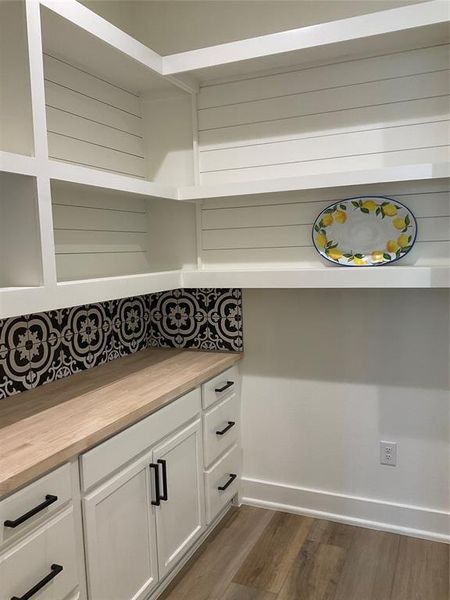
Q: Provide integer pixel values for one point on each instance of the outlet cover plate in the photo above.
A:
(388, 453)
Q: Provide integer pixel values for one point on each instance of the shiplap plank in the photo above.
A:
(87, 266)
(62, 73)
(77, 104)
(338, 164)
(344, 73)
(429, 229)
(73, 126)
(330, 100)
(85, 153)
(399, 188)
(74, 195)
(390, 139)
(423, 254)
(431, 205)
(81, 242)
(358, 119)
(75, 217)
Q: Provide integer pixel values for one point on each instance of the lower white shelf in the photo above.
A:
(324, 277)
(23, 300)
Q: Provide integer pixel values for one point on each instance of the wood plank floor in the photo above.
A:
(257, 554)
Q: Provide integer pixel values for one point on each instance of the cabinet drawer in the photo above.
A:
(34, 504)
(221, 427)
(221, 387)
(119, 450)
(224, 474)
(37, 561)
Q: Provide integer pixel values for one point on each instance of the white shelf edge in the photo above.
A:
(327, 180)
(103, 179)
(109, 34)
(324, 277)
(343, 30)
(18, 163)
(23, 300)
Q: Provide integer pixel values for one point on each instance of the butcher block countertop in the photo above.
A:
(42, 428)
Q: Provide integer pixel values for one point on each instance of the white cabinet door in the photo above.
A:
(180, 515)
(120, 536)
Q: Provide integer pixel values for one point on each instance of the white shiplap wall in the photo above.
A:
(275, 229)
(97, 233)
(366, 113)
(91, 121)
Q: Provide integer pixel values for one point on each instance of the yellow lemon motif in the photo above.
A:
(403, 240)
(392, 246)
(327, 219)
(340, 216)
(377, 256)
(370, 205)
(359, 261)
(390, 210)
(335, 253)
(399, 223)
(321, 240)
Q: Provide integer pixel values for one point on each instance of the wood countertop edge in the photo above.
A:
(23, 477)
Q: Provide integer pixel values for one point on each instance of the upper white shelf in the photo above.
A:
(415, 172)
(72, 32)
(413, 26)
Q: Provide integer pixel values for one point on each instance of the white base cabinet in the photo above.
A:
(180, 513)
(120, 537)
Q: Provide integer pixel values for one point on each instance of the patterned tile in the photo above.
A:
(40, 348)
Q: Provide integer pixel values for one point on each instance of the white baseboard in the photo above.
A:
(404, 519)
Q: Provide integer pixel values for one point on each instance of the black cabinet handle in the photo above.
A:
(49, 499)
(155, 468)
(55, 570)
(165, 494)
(222, 488)
(225, 387)
(227, 428)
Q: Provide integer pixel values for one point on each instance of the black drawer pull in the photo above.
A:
(155, 468)
(222, 488)
(227, 428)
(55, 570)
(225, 387)
(49, 499)
(165, 494)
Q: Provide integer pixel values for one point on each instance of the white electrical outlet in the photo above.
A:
(388, 453)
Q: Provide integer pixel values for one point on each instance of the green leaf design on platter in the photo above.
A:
(365, 210)
(355, 204)
(386, 256)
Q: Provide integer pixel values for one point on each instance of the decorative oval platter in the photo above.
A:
(365, 231)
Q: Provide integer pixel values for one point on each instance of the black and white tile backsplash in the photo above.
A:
(39, 348)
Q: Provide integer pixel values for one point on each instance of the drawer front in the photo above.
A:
(221, 427)
(220, 387)
(221, 476)
(37, 562)
(34, 504)
(110, 456)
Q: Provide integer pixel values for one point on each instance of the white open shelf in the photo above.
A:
(121, 134)
(16, 125)
(412, 26)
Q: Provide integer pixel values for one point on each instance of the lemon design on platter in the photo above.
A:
(390, 210)
(392, 246)
(327, 219)
(377, 256)
(340, 217)
(403, 240)
(399, 223)
(335, 253)
(359, 261)
(370, 205)
(321, 240)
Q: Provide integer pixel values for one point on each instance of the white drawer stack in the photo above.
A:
(37, 540)
(221, 439)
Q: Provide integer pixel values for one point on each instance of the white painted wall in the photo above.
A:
(328, 374)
